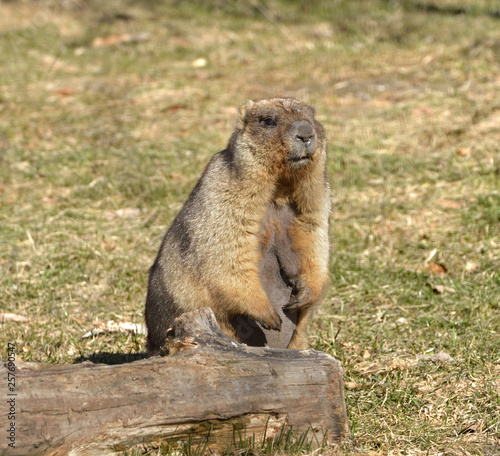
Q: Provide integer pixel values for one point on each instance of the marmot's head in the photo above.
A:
(280, 134)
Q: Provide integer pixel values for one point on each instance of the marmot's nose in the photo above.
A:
(303, 131)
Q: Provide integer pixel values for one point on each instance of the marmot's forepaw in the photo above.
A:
(300, 297)
(271, 321)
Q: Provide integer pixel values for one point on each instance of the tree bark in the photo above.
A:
(206, 387)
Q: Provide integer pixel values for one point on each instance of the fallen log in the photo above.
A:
(206, 387)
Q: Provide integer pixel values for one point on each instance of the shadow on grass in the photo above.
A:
(112, 358)
(453, 10)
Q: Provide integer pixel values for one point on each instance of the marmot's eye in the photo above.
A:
(267, 121)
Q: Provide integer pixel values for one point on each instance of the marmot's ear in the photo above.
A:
(242, 112)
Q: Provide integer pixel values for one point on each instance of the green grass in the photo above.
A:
(287, 441)
(100, 146)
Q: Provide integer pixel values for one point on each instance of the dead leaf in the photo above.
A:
(464, 151)
(174, 107)
(6, 316)
(128, 213)
(372, 368)
(106, 245)
(352, 385)
(113, 40)
(471, 266)
(423, 111)
(402, 364)
(471, 428)
(430, 256)
(449, 203)
(113, 326)
(442, 357)
(436, 268)
(440, 289)
(439, 357)
(65, 91)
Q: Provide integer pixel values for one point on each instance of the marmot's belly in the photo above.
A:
(250, 332)
(279, 270)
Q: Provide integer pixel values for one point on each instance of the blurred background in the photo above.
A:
(109, 112)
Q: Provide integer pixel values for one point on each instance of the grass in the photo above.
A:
(286, 442)
(100, 146)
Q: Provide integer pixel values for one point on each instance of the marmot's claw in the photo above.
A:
(298, 300)
(272, 322)
(292, 306)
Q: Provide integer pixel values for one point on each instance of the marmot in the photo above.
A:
(251, 241)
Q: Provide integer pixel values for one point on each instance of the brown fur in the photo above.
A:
(251, 241)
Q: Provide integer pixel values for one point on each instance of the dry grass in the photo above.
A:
(101, 144)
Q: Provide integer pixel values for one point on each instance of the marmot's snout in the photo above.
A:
(303, 143)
